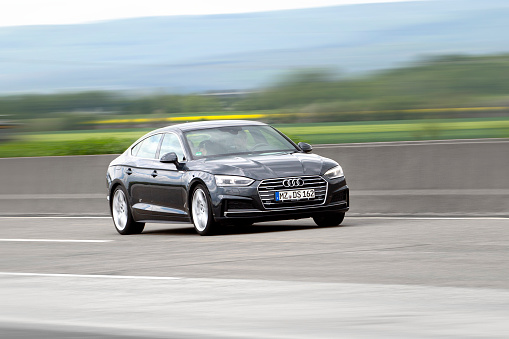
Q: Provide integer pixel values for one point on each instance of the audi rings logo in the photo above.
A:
(293, 182)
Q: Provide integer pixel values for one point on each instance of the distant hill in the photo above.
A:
(243, 51)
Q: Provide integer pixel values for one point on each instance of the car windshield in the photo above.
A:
(234, 140)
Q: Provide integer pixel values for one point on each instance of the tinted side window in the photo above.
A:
(171, 144)
(148, 147)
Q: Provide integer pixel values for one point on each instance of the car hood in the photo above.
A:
(265, 166)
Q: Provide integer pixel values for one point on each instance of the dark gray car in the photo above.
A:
(223, 172)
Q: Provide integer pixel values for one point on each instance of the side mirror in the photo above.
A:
(305, 147)
(170, 157)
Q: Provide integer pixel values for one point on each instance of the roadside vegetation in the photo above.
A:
(116, 141)
(437, 98)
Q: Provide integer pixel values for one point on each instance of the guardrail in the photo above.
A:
(450, 177)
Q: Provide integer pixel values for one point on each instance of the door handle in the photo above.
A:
(129, 171)
(154, 174)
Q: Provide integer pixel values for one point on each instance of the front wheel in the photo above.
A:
(201, 210)
(329, 219)
(122, 217)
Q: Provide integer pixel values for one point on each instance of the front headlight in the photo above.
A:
(231, 180)
(334, 172)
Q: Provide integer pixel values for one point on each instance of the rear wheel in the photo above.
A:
(121, 213)
(201, 211)
(329, 219)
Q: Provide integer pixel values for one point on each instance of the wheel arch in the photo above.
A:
(113, 186)
(195, 182)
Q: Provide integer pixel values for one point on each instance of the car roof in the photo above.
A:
(190, 126)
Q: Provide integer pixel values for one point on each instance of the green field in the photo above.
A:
(131, 134)
(116, 140)
(348, 132)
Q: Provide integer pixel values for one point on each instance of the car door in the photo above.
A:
(169, 191)
(141, 175)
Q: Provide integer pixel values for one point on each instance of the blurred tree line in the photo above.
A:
(433, 82)
(38, 105)
(447, 81)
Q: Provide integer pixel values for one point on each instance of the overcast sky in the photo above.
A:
(51, 12)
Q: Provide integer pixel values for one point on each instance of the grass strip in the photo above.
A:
(112, 141)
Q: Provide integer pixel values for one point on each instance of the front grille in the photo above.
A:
(269, 187)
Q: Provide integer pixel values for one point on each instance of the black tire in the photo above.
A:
(121, 213)
(201, 212)
(329, 219)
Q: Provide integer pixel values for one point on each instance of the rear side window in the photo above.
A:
(147, 148)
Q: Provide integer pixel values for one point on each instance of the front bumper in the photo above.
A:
(245, 204)
(284, 213)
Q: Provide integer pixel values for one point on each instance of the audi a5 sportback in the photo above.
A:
(222, 172)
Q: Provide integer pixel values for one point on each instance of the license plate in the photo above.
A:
(295, 195)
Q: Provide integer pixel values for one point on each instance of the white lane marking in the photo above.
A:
(429, 218)
(56, 217)
(349, 216)
(431, 191)
(53, 240)
(52, 196)
(103, 276)
(263, 308)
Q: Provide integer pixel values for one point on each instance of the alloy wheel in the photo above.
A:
(120, 210)
(200, 210)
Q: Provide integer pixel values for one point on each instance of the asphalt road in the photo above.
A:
(370, 278)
